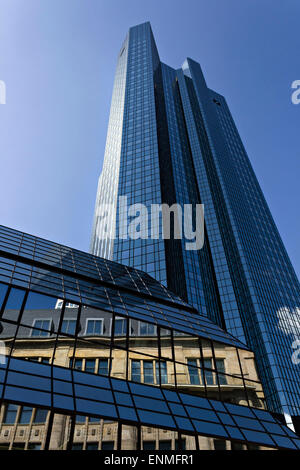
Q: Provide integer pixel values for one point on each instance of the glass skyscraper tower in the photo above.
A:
(171, 139)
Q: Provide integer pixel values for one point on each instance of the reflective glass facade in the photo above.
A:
(177, 142)
(95, 355)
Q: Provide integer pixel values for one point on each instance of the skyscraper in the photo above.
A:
(171, 139)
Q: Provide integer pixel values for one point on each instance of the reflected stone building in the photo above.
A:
(98, 355)
(172, 139)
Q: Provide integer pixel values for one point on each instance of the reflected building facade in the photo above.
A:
(171, 139)
(96, 355)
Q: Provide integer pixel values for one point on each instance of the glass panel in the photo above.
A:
(90, 365)
(165, 445)
(149, 445)
(68, 326)
(92, 446)
(148, 372)
(136, 370)
(3, 290)
(78, 363)
(147, 329)
(41, 328)
(161, 372)
(220, 364)
(40, 415)
(25, 415)
(120, 328)
(103, 367)
(94, 327)
(10, 414)
(14, 304)
(193, 372)
(40, 302)
(108, 445)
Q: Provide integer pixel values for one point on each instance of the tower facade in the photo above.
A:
(171, 139)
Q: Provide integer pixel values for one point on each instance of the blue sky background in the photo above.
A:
(58, 60)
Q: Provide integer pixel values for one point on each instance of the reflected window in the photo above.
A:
(136, 371)
(92, 446)
(93, 420)
(34, 446)
(45, 360)
(163, 372)
(182, 446)
(219, 444)
(18, 446)
(90, 365)
(94, 327)
(220, 364)
(193, 372)
(43, 325)
(80, 419)
(148, 372)
(69, 326)
(25, 415)
(77, 446)
(165, 445)
(147, 329)
(78, 364)
(103, 367)
(10, 414)
(107, 445)
(40, 416)
(209, 379)
(120, 327)
(149, 445)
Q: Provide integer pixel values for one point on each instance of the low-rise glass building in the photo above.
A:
(98, 355)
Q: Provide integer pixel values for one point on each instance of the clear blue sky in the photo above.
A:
(58, 60)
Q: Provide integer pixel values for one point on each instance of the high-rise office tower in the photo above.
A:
(171, 139)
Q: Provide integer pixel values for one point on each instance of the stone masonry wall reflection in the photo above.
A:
(200, 367)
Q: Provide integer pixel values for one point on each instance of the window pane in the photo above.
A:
(221, 368)
(40, 415)
(44, 325)
(208, 374)
(165, 445)
(136, 371)
(149, 445)
(94, 327)
(92, 446)
(108, 445)
(90, 365)
(103, 367)
(193, 372)
(25, 416)
(148, 372)
(120, 326)
(68, 326)
(147, 329)
(162, 371)
(10, 414)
